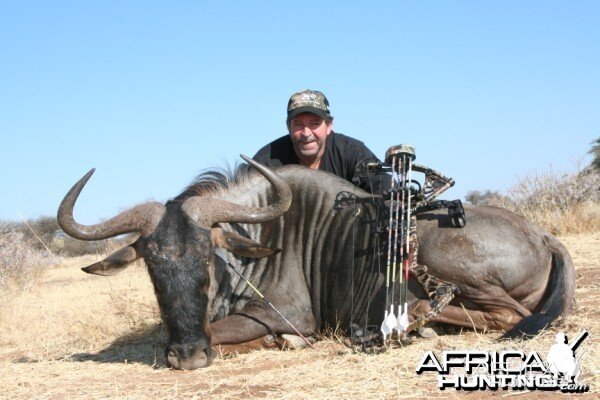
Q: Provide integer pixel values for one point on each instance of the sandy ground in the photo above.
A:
(85, 337)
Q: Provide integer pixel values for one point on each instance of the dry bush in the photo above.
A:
(595, 152)
(39, 232)
(28, 248)
(21, 263)
(69, 247)
(478, 197)
(563, 203)
(44, 233)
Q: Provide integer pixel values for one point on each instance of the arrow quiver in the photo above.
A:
(405, 199)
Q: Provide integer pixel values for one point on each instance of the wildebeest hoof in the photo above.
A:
(427, 332)
(292, 342)
(269, 341)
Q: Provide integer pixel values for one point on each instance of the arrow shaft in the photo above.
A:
(255, 289)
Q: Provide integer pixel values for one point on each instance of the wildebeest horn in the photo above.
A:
(142, 219)
(209, 211)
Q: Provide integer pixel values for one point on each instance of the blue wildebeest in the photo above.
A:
(513, 276)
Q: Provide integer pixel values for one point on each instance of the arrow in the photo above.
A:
(218, 252)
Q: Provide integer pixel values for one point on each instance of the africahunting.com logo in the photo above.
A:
(509, 369)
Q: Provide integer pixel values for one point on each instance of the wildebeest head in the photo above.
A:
(177, 243)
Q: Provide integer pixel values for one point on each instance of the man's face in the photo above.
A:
(309, 132)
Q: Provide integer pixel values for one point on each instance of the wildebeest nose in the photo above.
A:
(195, 358)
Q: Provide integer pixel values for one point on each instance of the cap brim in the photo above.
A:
(300, 110)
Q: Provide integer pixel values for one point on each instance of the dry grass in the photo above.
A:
(563, 203)
(86, 337)
(579, 218)
(71, 312)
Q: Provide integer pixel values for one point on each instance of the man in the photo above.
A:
(313, 143)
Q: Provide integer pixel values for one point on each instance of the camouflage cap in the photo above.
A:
(311, 101)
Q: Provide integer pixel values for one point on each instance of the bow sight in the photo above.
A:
(405, 199)
(422, 195)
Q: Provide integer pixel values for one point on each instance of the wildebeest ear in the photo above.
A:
(239, 245)
(114, 263)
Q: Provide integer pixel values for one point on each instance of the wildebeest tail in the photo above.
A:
(558, 299)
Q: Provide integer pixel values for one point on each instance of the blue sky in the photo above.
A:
(151, 93)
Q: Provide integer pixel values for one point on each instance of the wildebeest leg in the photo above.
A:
(489, 317)
(255, 321)
(265, 342)
(498, 311)
(283, 342)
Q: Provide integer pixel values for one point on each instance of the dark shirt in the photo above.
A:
(342, 154)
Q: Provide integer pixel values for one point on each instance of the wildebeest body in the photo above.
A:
(327, 272)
